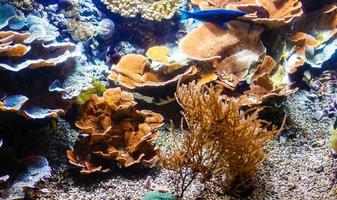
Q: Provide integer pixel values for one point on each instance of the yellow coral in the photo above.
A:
(152, 10)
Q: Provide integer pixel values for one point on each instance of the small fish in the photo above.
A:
(218, 16)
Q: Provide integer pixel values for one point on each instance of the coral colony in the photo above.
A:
(169, 99)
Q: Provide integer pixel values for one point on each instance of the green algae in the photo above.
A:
(97, 88)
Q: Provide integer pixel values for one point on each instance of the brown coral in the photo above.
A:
(268, 81)
(273, 13)
(231, 51)
(116, 131)
(314, 39)
(152, 9)
(136, 73)
(221, 142)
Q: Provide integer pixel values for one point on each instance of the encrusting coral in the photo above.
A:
(272, 13)
(221, 141)
(115, 132)
(154, 81)
(151, 10)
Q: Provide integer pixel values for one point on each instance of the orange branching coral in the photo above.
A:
(115, 131)
(231, 51)
(273, 13)
(136, 73)
(221, 141)
(314, 40)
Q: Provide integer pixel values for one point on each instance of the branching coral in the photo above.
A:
(115, 132)
(273, 13)
(221, 140)
(155, 81)
(152, 10)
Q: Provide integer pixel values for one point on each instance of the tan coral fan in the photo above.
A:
(116, 132)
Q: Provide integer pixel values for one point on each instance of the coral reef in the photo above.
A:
(154, 81)
(270, 13)
(17, 56)
(115, 132)
(314, 40)
(215, 143)
(231, 52)
(35, 50)
(267, 82)
(151, 10)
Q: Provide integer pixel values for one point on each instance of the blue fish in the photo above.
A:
(218, 16)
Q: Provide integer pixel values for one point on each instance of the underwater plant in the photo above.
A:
(222, 143)
(115, 133)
